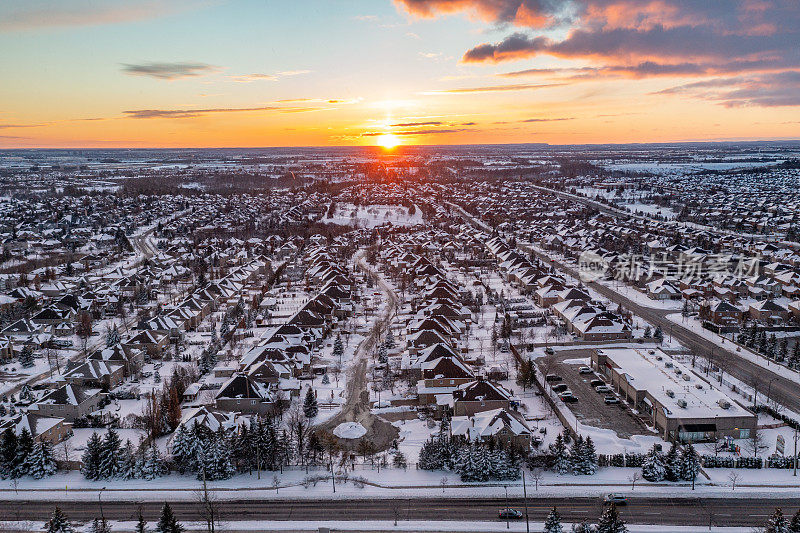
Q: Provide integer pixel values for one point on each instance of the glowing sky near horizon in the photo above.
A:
(120, 73)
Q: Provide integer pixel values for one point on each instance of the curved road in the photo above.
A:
(357, 405)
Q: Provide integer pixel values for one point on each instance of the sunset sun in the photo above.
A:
(388, 140)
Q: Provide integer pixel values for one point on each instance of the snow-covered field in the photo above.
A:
(374, 215)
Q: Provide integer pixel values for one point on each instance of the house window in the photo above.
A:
(744, 433)
(252, 402)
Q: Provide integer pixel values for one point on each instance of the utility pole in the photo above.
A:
(508, 518)
(794, 459)
(525, 499)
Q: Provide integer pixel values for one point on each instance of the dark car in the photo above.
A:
(549, 351)
(597, 382)
(568, 397)
(508, 512)
(561, 387)
(552, 377)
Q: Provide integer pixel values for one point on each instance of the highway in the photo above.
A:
(741, 512)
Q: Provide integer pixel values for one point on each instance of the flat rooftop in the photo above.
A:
(669, 381)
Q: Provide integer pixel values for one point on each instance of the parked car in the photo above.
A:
(567, 397)
(611, 400)
(552, 377)
(561, 387)
(616, 499)
(549, 351)
(597, 382)
(508, 512)
(585, 370)
(603, 388)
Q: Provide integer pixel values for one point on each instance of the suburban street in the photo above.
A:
(667, 511)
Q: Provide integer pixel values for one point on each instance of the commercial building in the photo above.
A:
(677, 402)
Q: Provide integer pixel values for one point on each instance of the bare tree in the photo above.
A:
(209, 506)
(733, 477)
(756, 442)
(633, 478)
(536, 476)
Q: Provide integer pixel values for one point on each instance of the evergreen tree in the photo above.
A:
(610, 522)
(182, 452)
(141, 525)
(338, 347)
(110, 455)
(783, 349)
(576, 456)
(383, 354)
(558, 451)
(647, 332)
(92, 457)
(589, 457)
(472, 464)
(582, 527)
(552, 524)
(100, 525)
(690, 462)
(504, 466)
(653, 468)
(40, 463)
(658, 335)
(794, 525)
(672, 463)
(26, 357)
(58, 523)
(151, 465)
(8, 453)
(794, 359)
(777, 523)
(216, 458)
(432, 454)
(24, 450)
(390, 342)
(127, 468)
(167, 523)
(112, 336)
(310, 407)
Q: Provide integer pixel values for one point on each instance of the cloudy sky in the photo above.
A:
(106, 73)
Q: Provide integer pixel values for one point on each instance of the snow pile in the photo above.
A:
(350, 430)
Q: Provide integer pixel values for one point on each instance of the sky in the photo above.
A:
(217, 73)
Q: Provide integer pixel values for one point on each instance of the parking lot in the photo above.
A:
(591, 408)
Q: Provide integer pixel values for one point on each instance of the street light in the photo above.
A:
(769, 386)
(100, 502)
